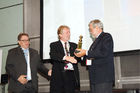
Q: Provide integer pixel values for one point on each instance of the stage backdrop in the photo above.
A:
(121, 18)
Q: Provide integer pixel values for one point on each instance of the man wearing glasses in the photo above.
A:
(22, 65)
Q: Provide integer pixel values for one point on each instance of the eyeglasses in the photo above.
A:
(25, 40)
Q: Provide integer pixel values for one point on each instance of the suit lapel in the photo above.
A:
(31, 56)
(22, 60)
(96, 41)
(21, 54)
(61, 49)
(71, 49)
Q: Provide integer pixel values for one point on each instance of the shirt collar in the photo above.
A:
(98, 35)
(25, 49)
(63, 42)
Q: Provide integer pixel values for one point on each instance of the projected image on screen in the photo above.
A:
(120, 18)
(130, 21)
(61, 12)
(122, 21)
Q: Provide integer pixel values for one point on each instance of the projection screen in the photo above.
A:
(121, 18)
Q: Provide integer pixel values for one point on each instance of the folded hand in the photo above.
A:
(71, 59)
(22, 79)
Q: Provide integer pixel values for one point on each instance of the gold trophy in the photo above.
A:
(79, 46)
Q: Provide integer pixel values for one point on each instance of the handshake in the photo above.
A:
(79, 52)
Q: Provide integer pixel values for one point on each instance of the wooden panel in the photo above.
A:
(32, 17)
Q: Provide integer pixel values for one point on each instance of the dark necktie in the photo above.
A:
(66, 49)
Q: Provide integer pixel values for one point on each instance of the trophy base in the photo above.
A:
(76, 51)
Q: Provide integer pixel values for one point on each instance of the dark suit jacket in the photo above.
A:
(16, 66)
(101, 53)
(57, 54)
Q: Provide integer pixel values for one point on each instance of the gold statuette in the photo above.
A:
(79, 46)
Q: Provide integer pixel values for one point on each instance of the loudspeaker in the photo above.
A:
(4, 78)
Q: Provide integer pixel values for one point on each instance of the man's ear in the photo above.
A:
(60, 35)
(18, 42)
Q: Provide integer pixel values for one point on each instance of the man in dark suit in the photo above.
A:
(22, 65)
(99, 59)
(65, 74)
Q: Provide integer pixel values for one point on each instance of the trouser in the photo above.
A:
(65, 83)
(101, 88)
(28, 88)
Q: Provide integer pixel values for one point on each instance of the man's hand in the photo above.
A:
(81, 52)
(71, 59)
(22, 79)
(50, 72)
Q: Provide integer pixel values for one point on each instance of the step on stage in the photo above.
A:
(119, 91)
